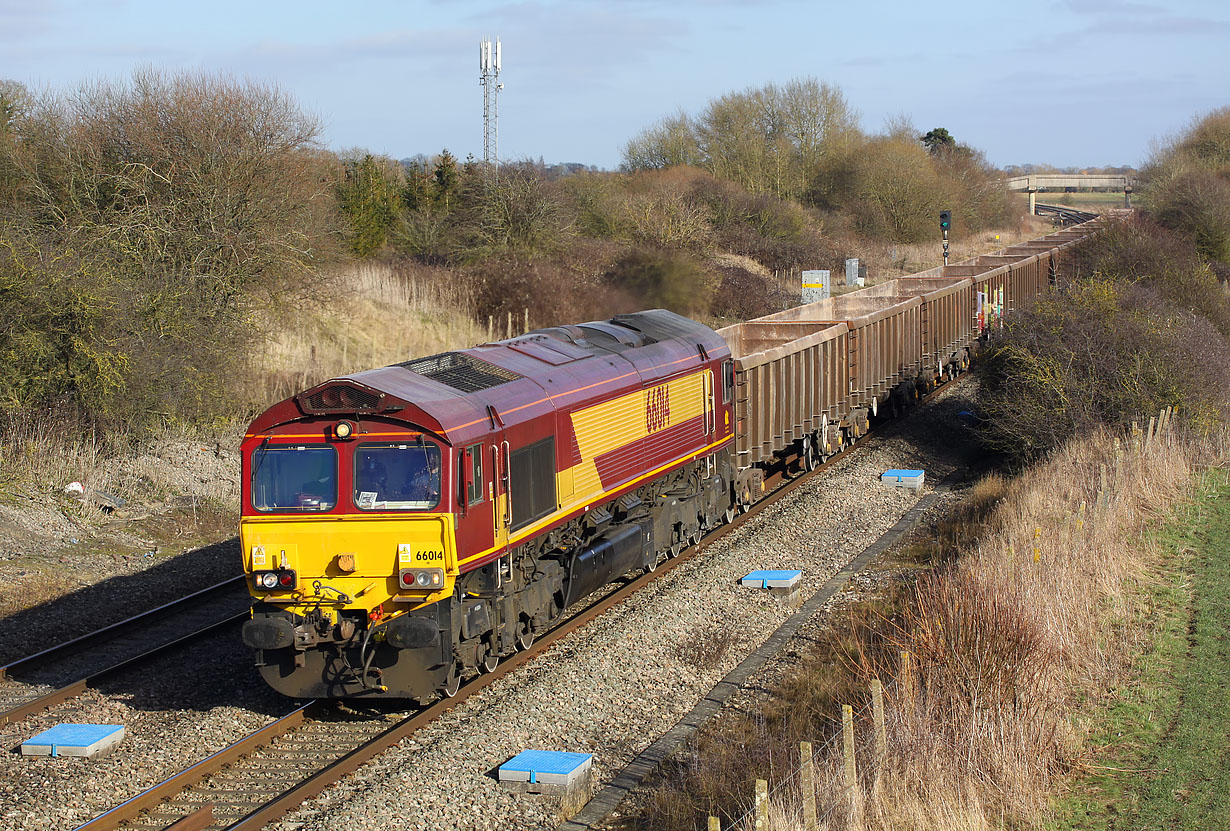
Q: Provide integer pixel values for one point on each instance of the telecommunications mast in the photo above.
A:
(489, 69)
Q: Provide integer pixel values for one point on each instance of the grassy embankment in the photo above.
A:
(1032, 611)
(1162, 740)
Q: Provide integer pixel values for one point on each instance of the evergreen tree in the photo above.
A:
(445, 180)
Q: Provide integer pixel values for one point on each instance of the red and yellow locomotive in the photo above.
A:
(407, 526)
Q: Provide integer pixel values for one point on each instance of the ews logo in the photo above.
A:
(657, 409)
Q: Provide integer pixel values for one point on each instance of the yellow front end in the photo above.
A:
(351, 562)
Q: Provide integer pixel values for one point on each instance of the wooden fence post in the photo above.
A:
(762, 805)
(807, 786)
(847, 744)
(851, 770)
(714, 824)
(527, 320)
(1037, 545)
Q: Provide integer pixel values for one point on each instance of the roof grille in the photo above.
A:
(460, 371)
(339, 398)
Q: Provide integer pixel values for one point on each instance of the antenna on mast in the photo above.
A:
(489, 76)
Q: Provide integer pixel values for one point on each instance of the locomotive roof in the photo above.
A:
(453, 393)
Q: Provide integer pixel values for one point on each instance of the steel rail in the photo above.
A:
(79, 686)
(188, 777)
(85, 641)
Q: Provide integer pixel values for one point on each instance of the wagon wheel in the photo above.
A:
(809, 454)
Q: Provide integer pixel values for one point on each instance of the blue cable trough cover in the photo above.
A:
(74, 740)
(547, 767)
(773, 579)
(903, 478)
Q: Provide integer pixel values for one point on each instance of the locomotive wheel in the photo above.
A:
(729, 515)
(490, 661)
(675, 550)
(452, 682)
(525, 637)
(652, 565)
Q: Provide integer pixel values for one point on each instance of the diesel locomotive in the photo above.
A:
(407, 526)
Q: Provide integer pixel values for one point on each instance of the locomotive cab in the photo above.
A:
(347, 527)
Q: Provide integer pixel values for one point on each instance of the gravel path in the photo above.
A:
(613, 687)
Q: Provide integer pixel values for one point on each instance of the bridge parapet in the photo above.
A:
(1034, 181)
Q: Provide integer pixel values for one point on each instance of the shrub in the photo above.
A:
(1138, 250)
(551, 293)
(897, 191)
(1197, 202)
(1099, 352)
(778, 234)
(141, 220)
(1186, 184)
(742, 294)
(661, 278)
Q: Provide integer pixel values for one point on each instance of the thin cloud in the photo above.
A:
(1170, 25)
(1116, 7)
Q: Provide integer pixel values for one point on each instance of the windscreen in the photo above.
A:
(397, 477)
(294, 478)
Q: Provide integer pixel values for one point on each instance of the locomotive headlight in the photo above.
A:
(424, 579)
(268, 580)
(343, 429)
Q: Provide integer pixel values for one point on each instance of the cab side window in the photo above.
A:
(475, 454)
(728, 382)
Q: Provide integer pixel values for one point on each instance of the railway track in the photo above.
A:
(64, 671)
(260, 778)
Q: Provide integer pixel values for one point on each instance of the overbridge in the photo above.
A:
(1032, 183)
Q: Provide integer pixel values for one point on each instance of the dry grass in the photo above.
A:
(885, 261)
(40, 455)
(1040, 614)
(382, 315)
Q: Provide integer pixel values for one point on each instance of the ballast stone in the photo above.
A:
(912, 479)
(74, 740)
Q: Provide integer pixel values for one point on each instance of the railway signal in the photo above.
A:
(945, 224)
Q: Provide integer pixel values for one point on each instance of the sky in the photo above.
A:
(1062, 82)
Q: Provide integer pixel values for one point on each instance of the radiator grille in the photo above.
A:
(460, 371)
